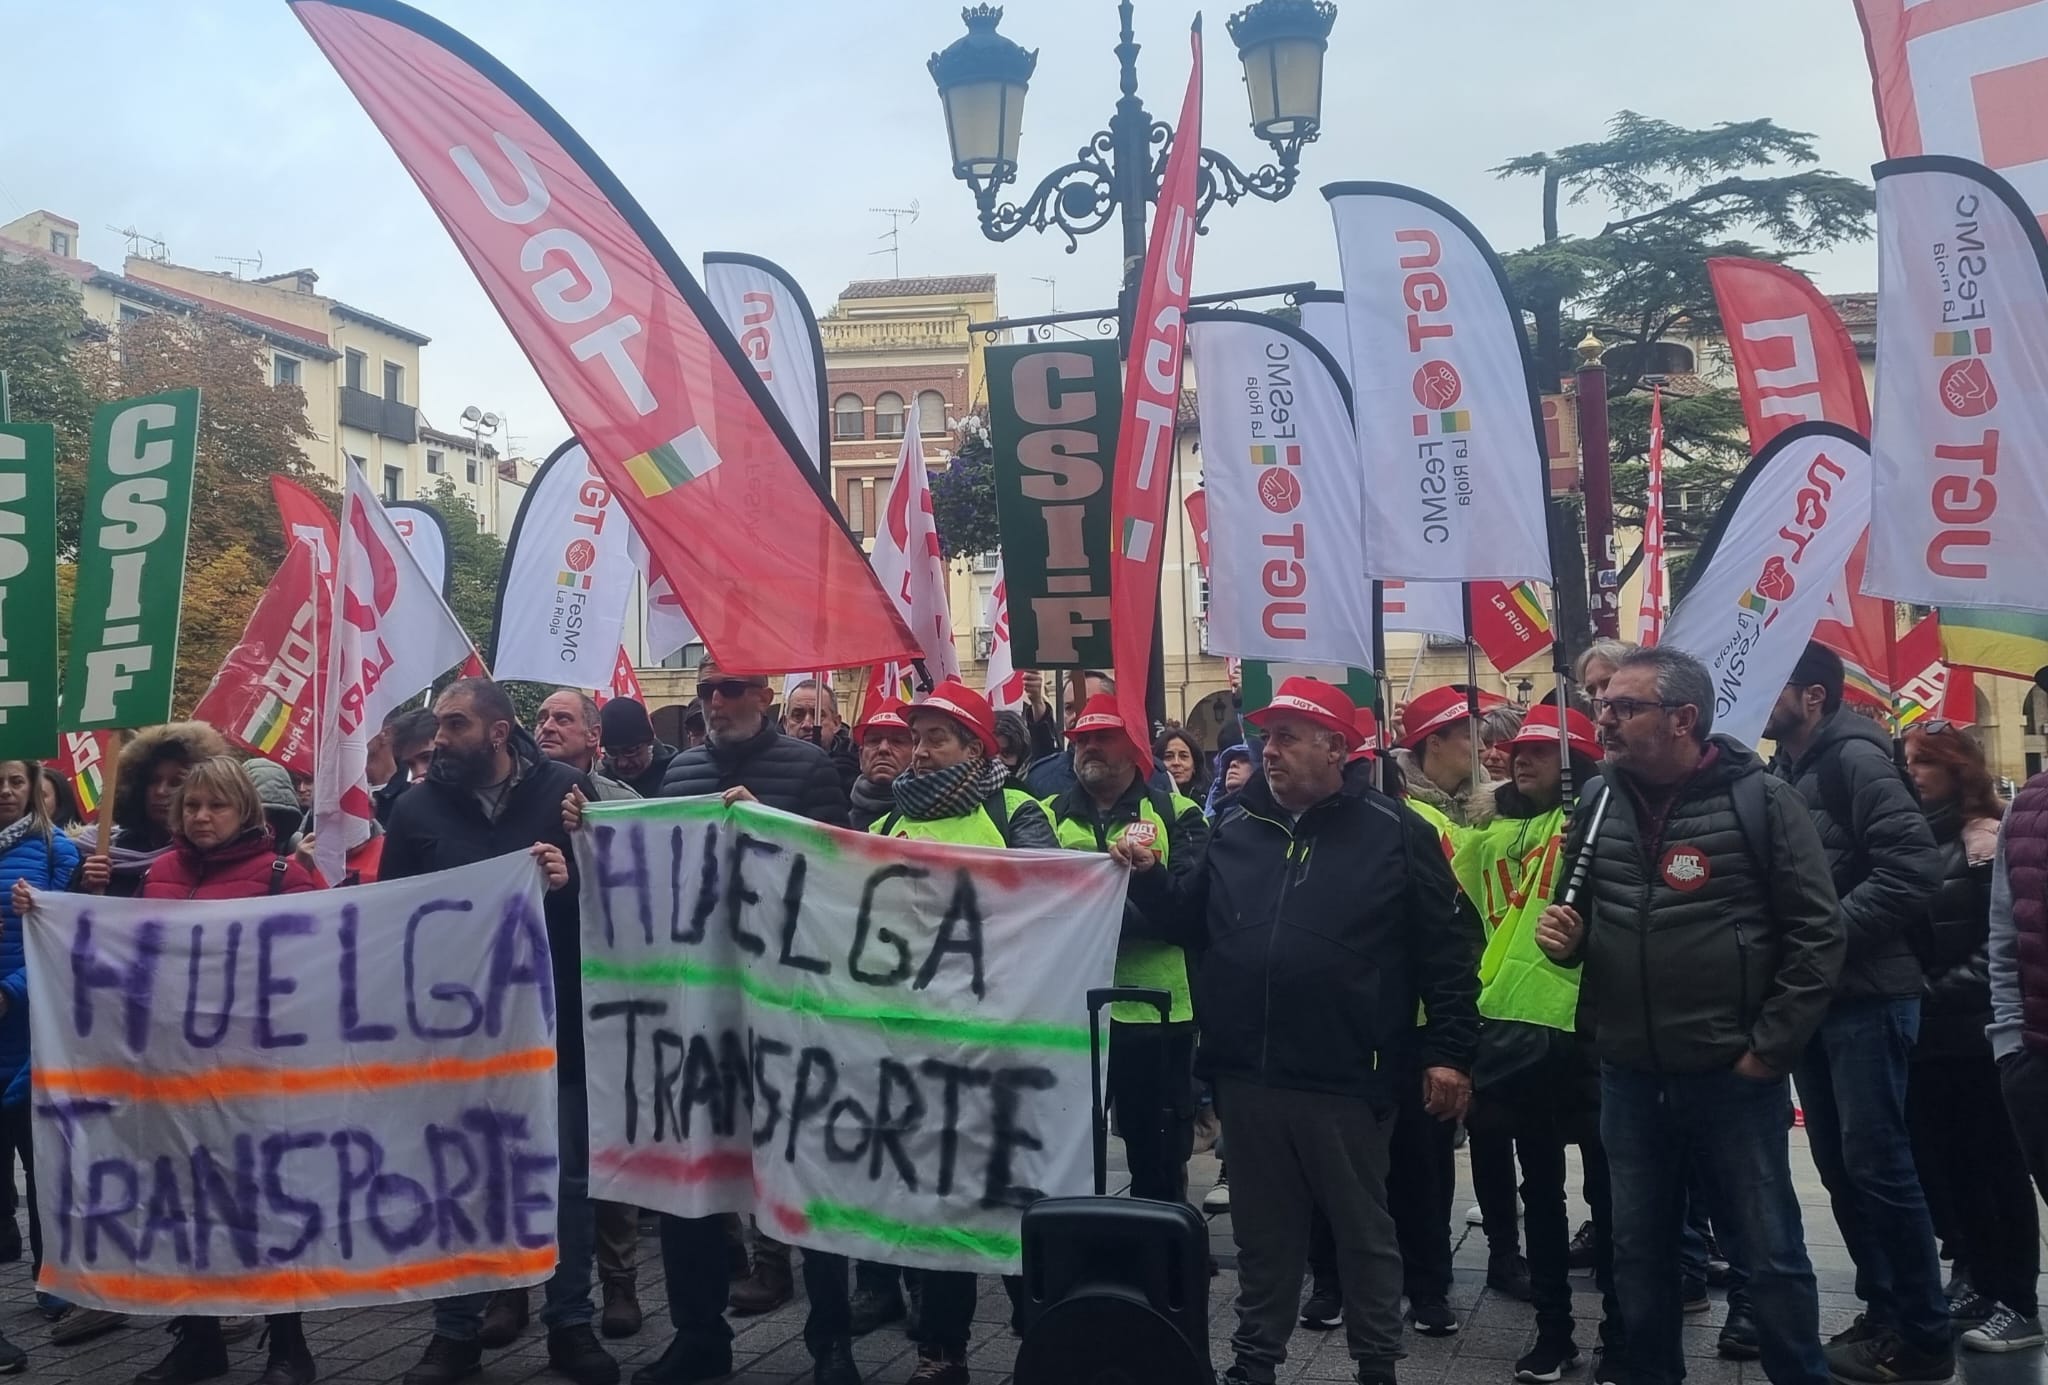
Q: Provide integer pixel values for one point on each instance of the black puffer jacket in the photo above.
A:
(437, 826)
(1691, 958)
(1883, 860)
(647, 783)
(781, 771)
(1318, 940)
(1952, 942)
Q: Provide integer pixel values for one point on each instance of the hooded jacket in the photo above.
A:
(647, 783)
(133, 850)
(47, 864)
(781, 771)
(1318, 940)
(1884, 863)
(1692, 956)
(438, 826)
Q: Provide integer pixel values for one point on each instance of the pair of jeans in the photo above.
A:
(618, 1238)
(1151, 1089)
(1970, 1163)
(566, 1300)
(1294, 1153)
(17, 1133)
(1530, 1113)
(1852, 1082)
(1653, 1126)
(695, 1260)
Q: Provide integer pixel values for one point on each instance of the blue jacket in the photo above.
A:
(46, 866)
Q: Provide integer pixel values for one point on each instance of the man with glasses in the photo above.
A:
(632, 753)
(811, 713)
(1710, 939)
(1852, 1078)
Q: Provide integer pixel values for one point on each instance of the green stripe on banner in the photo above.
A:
(993, 1033)
(816, 838)
(990, 1245)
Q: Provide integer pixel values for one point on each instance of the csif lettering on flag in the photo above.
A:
(1145, 460)
(908, 559)
(768, 314)
(1003, 683)
(28, 591)
(673, 414)
(1960, 494)
(1286, 573)
(1963, 77)
(391, 637)
(1795, 362)
(1762, 576)
(263, 697)
(1449, 427)
(567, 579)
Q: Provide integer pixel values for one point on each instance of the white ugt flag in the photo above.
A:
(907, 560)
(1004, 685)
(391, 637)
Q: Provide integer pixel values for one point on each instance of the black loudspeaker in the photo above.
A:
(1115, 1290)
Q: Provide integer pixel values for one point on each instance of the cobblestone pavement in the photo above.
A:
(376, 1346)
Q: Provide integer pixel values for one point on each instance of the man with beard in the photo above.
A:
(1111, 802)
(489, 791)
(632, 754)
(745, 758)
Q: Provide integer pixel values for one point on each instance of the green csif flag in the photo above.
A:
(28, 591)
(131, 563)
(1262, 679)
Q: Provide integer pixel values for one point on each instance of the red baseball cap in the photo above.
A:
(887, 716)
(1438, 708)
(1101, 714)
(1315, 701)
(1540, 728)
(966, 706)
(1369, 728)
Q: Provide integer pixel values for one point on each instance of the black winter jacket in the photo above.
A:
(647, 783)
(1952, 942)
(437, 826)
(1318, 940)
(1691, 959)
(1884, 863)
(781, 771)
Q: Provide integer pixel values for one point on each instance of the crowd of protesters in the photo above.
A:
(1370, 955)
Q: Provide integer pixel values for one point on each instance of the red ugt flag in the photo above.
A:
(263, 698)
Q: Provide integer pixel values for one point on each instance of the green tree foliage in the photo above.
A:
(43, 334)
(476, 558)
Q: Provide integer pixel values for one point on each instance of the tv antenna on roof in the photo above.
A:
(244, 262)
(148, 247)
(894, 235)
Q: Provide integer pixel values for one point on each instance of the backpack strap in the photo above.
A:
(278, 867)
(1753, 820)
(998, 806)
(889, 821)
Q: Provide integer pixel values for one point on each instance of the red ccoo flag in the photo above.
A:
(1145, 460)
(673, 415)
(263, 698)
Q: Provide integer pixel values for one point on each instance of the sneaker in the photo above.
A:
(576, 1353)
(1861, 1330)
(1218, 1198)
(1719, 1271)
(1970, 1309)
(765, 1290)
(621, 1316)
(52, 1307)
(873, 1308)
(82, 1324)
(1369, 1374)
(2004, 1330)
(291, 1360)
(1324, 1309)
(1432, 1319)
(13, 1360)
(1508, 1273)
(1692, 1297)
(505, 1317)
(938, 1366)
(1474, 1217)
(446, 1361)
(1548, 1362)
(833, 1364)
(1738, 1340)
(1583, 1255)
(197, 1353)
(1883, 1358)
(686, 1362)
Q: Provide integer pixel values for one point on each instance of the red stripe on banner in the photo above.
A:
(292, 1286)
(661, 1165)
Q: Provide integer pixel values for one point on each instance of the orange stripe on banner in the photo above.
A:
(293, 1286)
(225, 1084)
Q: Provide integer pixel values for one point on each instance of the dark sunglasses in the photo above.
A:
(1938, 726)
(726, 688)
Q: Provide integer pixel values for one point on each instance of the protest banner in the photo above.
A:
(877, 1046)
(908, 561)
(426, 534)
(28, 591)
(626, 343)
(311, 1101)
(1052, 421)
(1960, 478)
(1762, 577)
(567, 579)
(123, 654)
(1280, 467)
(766, 311)
(1150, 427)
(263, 697)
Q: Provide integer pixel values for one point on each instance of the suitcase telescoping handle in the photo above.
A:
(1099, 1000)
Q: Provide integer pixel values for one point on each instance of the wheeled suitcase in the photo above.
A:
(1115, 1289)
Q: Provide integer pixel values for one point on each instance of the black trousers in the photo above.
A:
(695, 1259)
(1493, 1187)
(18, 1138)
(1970, 1164)
(1422, 1178)
(1152, 1090)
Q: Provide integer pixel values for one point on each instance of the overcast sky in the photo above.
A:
(774, 127)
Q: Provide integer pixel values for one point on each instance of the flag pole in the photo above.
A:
(110, 785)
(1379, 685)
(1471, 683)
(1560, 662)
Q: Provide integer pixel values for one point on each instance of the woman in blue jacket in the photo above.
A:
(31, 850)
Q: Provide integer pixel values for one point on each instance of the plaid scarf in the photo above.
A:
(947, 793)
(16, 832)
